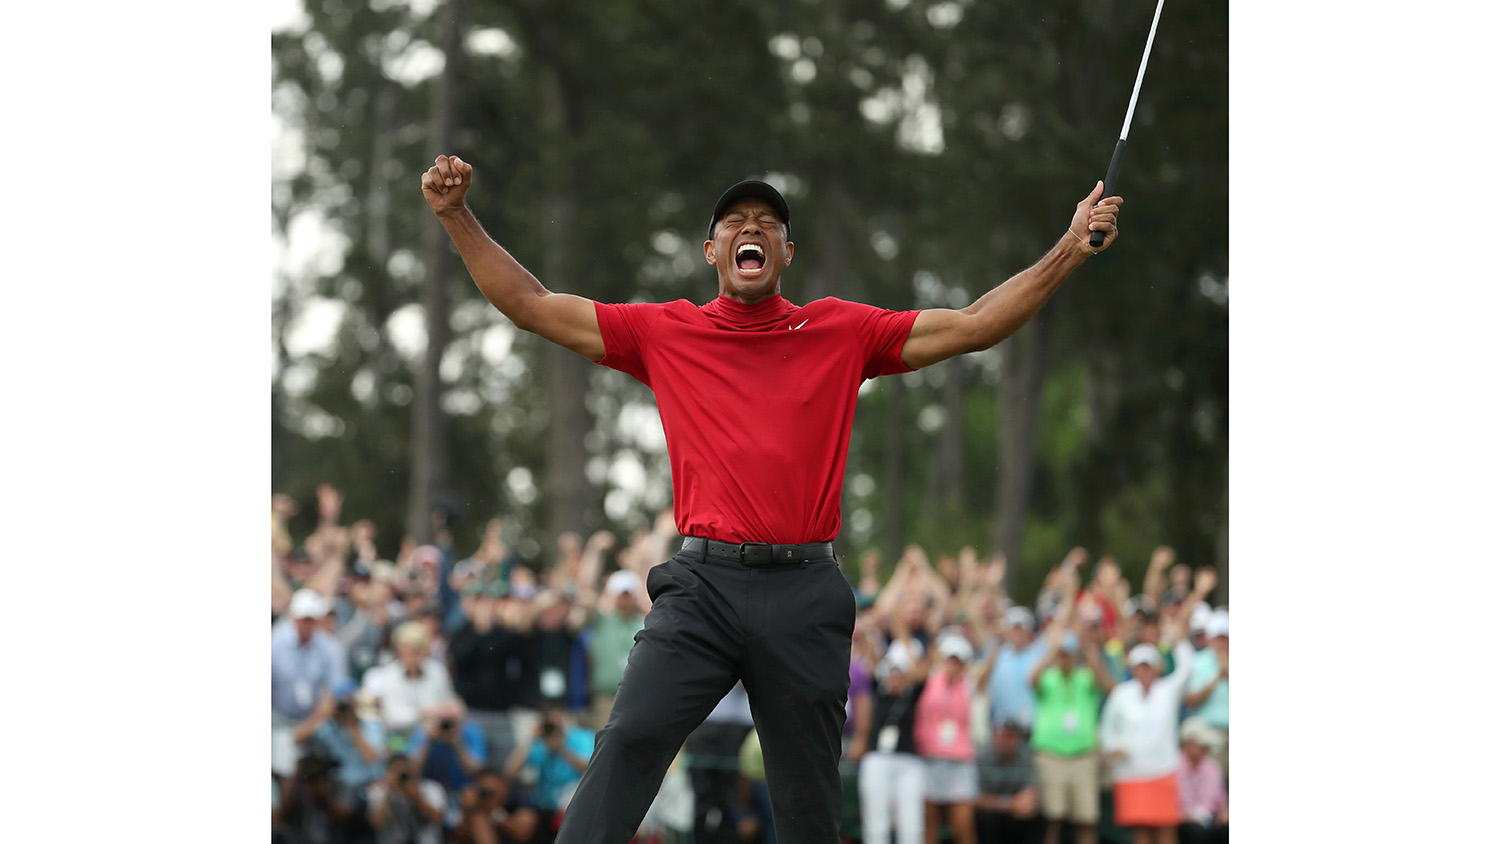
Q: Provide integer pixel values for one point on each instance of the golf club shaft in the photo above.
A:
(1096, 239)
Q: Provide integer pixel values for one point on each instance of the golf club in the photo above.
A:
(1096, 239)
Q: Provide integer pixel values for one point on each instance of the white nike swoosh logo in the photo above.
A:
(799, 325)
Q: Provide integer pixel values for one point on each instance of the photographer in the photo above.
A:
(405, 809)
(448, 748)
(356, 745)
(558, 754)
(492, 814)
(314, 808)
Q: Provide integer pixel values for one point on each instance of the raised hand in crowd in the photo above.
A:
(362, 538)
(1155, 585)
(283, 508)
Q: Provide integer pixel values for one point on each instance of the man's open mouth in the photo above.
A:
(749, 257)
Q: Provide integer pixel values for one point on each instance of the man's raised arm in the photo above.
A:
(939, 333)
(568, 321)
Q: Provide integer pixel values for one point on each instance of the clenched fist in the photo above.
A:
(446, 183)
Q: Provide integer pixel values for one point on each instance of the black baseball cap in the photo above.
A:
(754, 189)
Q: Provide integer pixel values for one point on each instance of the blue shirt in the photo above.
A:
(554, 773)
(1215, 710)
(442, 762)
(301, 673)
(353, 770)
(1011, 696)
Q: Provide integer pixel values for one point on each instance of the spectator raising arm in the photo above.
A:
(1156, 574)
(1055, 634)
(1093, 657)
(1196, 699)
(281, 591)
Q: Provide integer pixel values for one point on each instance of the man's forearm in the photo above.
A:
(1003, 310)
(500, 277)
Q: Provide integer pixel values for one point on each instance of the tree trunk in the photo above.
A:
(566, 486)
(429, 453)
(833, 247)
(894, 469)
(946, 497)
(1019, 394)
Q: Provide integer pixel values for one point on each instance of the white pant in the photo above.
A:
(890, 787)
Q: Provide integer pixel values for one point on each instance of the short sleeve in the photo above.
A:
(1205, 667)
(883, 334)
(626, 331)
(474, 742)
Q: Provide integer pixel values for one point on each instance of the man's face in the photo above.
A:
(553, 616)
(305, 628)
(1007, 742)
(1220, 644)
(750, 250)
(626, 604)
(1150, 632)
(411, 655)
(1017, 636)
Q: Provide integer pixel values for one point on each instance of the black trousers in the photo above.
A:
(783, 629)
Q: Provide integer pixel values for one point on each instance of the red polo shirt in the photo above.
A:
(757, 402)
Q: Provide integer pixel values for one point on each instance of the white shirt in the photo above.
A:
(403, 698)
(1144, 725)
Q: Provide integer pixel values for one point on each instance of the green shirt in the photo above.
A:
(1067, 712)
(610, 647)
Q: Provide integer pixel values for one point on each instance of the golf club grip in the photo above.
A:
(1096, 239)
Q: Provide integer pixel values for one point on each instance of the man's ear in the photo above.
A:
(790, 248)
(708, 251)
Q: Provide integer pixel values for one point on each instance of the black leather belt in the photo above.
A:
(757, 553)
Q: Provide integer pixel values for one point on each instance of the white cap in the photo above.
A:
(899, 656)
(1198, 618)
(621, 582)
(895, 659)
(956, 646)
(1020, 616)
(1144, 654)
(308, 604)
(1198, 730)
(1218, 625)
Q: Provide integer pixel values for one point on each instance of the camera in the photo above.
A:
(486, 793)
(404, 777)
(316, 767)
(549, 729)
(446, 725)
(343, 710)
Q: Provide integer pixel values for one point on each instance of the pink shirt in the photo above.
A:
(1201, 788)
(941, 728)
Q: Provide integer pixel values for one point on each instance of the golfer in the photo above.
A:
(756, 396)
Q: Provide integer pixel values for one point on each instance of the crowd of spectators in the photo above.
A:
(433, 698)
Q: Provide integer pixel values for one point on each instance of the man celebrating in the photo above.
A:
(756, 397)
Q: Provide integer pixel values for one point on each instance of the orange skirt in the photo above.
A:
(1148, 802)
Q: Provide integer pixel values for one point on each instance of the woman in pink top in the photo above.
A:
(942, 738)
(1200, 788)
